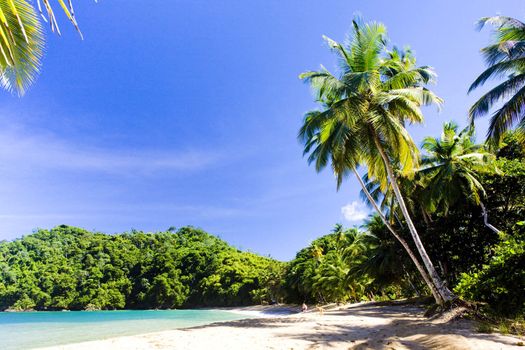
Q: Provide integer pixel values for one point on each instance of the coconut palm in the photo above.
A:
(387, 223)
(331, 278)
(382, 261)
(356, 243)
(334, 279)
(22, 39)
(363, 116)
(451, 168)
(505, 58)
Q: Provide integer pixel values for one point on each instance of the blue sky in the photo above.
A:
(186, 113)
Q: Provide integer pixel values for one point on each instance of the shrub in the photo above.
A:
(500, 282)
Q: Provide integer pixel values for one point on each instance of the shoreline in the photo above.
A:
(264, 309)
(354, 326)
(277, 310)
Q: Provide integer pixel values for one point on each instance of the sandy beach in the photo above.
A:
(358, 326)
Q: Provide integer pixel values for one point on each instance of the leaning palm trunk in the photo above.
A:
(444, 292)
(486, 218)
(420, 268)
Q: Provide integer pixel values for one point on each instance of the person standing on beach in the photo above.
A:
(304, 307)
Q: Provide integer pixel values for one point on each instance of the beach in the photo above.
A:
(357, 326)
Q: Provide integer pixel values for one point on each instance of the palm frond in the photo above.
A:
(452, 164)
(324, 84)
(511, 113)
(500, 21)
(504, 50)
(22, 39)
(48, 14)
(21, 45)
(499, 70)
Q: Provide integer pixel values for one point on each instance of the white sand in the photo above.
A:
(361, 326)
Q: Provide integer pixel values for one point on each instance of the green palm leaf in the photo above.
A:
(22, 45)
(451, 167)
(22, 39)
(505, 58)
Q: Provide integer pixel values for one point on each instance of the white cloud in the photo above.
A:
(127, 211)
(354, 211)
(21, 148)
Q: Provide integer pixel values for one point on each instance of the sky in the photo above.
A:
(186, 113)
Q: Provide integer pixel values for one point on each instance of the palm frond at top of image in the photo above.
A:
(22, 39)
(47, 13)
(21, 45)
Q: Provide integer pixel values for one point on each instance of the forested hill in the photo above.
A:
(71, 268)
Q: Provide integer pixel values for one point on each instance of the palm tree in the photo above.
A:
(22, 40)
(505, 58)
(356, 243)
(382, 261)
(363, 116)
(451, 168)
(333, 278)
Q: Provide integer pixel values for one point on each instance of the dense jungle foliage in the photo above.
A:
(477, 263)
(454, 206)
(71, 268)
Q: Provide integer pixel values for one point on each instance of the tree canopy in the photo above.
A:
(71, 268)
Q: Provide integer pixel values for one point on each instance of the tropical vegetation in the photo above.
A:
(74, 269)
(362, 121)
(505, 58)
(449, 215)
(480, 263)
(444, 197)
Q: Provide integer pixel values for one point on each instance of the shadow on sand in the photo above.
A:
(408, 329)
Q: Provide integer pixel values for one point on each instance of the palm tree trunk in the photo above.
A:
(404, 243)
(446, 294)
(486, 218)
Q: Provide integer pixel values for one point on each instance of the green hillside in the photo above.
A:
(71, 268)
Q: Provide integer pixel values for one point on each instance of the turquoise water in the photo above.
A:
(27, 330)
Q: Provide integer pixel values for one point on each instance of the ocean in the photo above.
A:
(29, 330)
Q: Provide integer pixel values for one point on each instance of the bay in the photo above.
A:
(29, 330)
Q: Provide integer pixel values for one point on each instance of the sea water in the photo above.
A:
(28, 330)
